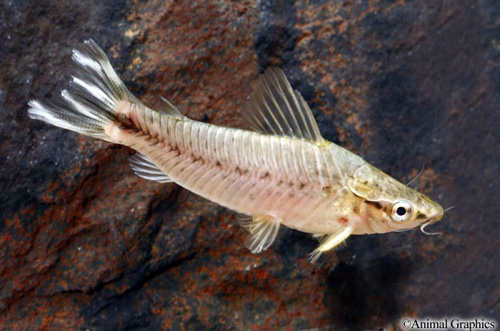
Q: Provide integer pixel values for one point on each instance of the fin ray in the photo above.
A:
(92, 101)
(275, 108)
(146, 169)
(263, 231)
(168, 108)
(329, 242)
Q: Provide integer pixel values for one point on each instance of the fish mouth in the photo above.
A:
(431, 220)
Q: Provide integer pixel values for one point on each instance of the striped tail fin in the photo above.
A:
(93, 99)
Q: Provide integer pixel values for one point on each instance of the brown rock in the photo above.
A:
(86, 244)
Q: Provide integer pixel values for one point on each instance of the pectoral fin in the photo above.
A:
(263, 230)
(330, 241)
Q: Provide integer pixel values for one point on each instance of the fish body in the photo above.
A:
(283, 173)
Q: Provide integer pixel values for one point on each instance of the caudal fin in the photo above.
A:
(93, 99)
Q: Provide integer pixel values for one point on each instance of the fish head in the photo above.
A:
(387, 205)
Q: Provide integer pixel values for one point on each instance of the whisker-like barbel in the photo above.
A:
(447, 209)
(422, 229)
(425, 223)
(416, 177)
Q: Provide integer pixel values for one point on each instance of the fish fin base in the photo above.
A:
(146, 169)
(275, 108)
(321, 238)
(244, 221)
(263, 231)
(329, 242)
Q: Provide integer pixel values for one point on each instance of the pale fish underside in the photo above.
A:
(283, 173)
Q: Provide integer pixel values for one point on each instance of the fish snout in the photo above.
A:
(437, 214)
(436, 218)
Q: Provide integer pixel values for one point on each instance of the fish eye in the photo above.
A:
(401, 211)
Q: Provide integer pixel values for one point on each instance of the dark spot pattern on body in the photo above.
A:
(420, 216)
(376, 204)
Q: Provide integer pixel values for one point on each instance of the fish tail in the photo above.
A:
(95, 101)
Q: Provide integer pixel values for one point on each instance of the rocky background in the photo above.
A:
(84, 244)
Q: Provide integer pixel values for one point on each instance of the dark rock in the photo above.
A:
(86, 244)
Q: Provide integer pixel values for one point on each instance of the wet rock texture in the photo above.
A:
(84, 244)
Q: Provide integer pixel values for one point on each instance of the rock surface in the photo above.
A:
(84, 244)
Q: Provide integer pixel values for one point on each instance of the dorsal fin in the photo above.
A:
(274, 108)
(168, 108)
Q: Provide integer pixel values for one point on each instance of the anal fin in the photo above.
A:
(330, 241)
(263, 231)
(146, 169)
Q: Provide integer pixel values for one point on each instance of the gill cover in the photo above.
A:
(363, 183)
